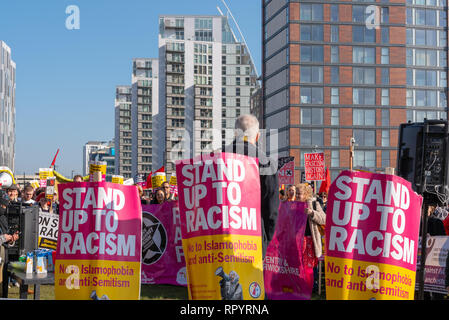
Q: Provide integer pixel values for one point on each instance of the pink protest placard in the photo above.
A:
(285, 276)
(314, 166)
(163, 259)
(99, 244)
(372, 229)
(219, 202)
(286, 174)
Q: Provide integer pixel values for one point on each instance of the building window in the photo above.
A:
(365, 159)
(384, 16)
(359, 13)
(311, 12)
(385, 56)
(311, 137)
(385, 138)
(385, 158)
(362, 117)
(363, 96)
(311, 116)
(335, 137)
(363, 55)
(335, 158)
(365, 138)
(385, 98)
(425, 78)
(334, 54)
(335, 117)
(312, 32)
(312, 53)
(335, 96)
(311, 74)
(385, 75)
(335, 74)
(334, 34)
(385, 117)
(363, 75)
(312, 95)
(363, 34)
(334, 13)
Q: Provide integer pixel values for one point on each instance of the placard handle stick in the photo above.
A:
(351, 152)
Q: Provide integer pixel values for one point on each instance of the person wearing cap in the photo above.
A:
(13, 193)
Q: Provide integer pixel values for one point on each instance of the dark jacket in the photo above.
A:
(269, 189)
(447, 271)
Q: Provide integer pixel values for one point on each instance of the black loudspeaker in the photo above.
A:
(26, 220)
(422, 158)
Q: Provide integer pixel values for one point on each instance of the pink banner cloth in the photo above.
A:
(288, 273)
(163, 259)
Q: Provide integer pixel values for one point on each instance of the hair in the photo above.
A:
(163, 191)
(307, 189)
(324, 193)
(28, 187)
(139, 189)
(78, 176)
(247, 125)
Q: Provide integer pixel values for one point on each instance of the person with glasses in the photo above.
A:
(168, 194)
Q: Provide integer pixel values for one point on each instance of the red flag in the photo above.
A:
(149, 185)
(54, 160)
(325, 185)
(162, 169)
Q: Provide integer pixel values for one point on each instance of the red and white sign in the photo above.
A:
(286, 174)
(314, 166)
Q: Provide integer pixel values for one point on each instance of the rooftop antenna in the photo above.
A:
(241, 34)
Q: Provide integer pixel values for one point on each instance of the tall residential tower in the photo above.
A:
(340, 69)
(206, 77)
(7, 107)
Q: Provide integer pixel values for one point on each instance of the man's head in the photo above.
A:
(28, 193)
(78, 178)
(166, 187)
(247, 128)
(13, 192)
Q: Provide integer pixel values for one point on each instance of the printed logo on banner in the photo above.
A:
(154, 238)
(255, 290)
(181, 276)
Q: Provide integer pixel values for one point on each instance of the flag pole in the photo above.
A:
(351, 152)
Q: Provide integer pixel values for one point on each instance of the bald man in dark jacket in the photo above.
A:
(269, 189)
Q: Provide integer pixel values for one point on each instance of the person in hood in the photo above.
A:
(235, 288)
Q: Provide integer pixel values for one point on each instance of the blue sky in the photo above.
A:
(66, 79)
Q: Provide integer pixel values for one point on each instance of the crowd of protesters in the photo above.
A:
(315, 204)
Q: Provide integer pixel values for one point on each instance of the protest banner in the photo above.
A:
(219, 202)
(99, 242)
(117, 179)
(285, 277)
(435, 270)
(372, 229)
(97, 167)
(286, 172)
(50, 187)
(44, 173)
(163, 259)
(35, 184)
(173, 182)
(48, 230)
(314, 166)
(158, 177)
